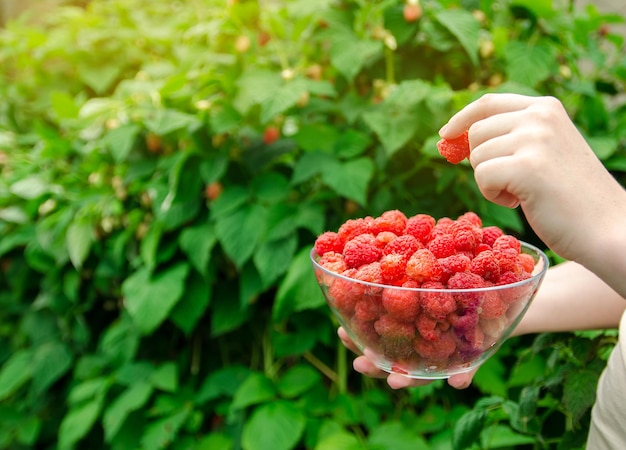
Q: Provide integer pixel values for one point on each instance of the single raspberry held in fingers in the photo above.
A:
(454, 150)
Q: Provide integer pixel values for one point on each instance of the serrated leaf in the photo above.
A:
(395, 436)
(277, 425)
(223, 382)
(467, 429)
(133, 398)
(464, 26)
(150, 298)
(15, 372)
(282, 99)
(255, 85)
(194, 303)
(240, 232)
(299, 289)
(297, 380)
(310, 165)
(579, 391)
(350, 179)
(349, 54)
(255, 389)
(352, 143)
(197, 242)
(120, 141)
(528, 64)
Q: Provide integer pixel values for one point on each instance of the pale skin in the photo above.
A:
(526, 152)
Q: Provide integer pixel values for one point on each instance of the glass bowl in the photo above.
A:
(425, 347)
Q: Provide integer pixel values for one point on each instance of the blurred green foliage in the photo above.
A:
(165, 167)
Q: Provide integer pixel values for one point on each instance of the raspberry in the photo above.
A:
(439, 350)
(364, 331)
(370, 273)
(466, 280)
(427, 327)
(494, 327)
(453, 264)
(507, 241)
(394, 221)
(454, 150)
(420, 226)
(397, 349)
(354, 227)
(369, 308)
(390, 327)
(492, 307)
(442, 245)
(361, 250)
(466, 235)
(328, 241)
(527, 262)
(334, 262)
(486, 265)
(508, 277)
(507, 260)
(404, 245)
(384, 237)
(401, 304)
(481, 248)
(463, 323)
(490, 234)
(423, 266)
(437, 303)
(472, 218)
(393, 268)
(341, 295)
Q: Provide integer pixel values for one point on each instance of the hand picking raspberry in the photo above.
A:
(455, 149)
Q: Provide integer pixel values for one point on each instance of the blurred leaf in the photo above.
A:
(501, 436)
(120, 141)
(99, 77)
(30, 187)
(161, 433)
(529, 64)
(255, 389)
(396, 436)
(240, 232)
(165, 121)
(579, 391)
(79, 238)
(223, 382)
(15, 372)
(51, 360)
(63, 105)
(165, 377)
(193, 304)
(273, 257)
(150, 298)
(277, 425)
(197, 242)
(349, 54)
(464, 26)
(350, 179)
(467, 429)
(131, 399)
(78, 421)
(297, 380)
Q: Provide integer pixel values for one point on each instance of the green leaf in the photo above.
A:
(120, 141)
(99, 77)
(349, 54)
(193, 304)
(119, 342)
(350, 179)
(77, 423)
(352, 143)
(165, 377)
(603, 146)
(310, 165)
(297, 380)
(150, 298)
(133, 398)
(317, 137)
(51, 361)
(197, 242)
(501, 436)
(227, 312)
(270, 187)
(277, 425)
(149, 246)
(340, 439)
(299, 289)
(255, 85)
(63, 105)
(161, 433)
(255, 389)
(273, 258)
(240, 232)
(282, 99)
(464, 26)
(579, 391)
(491, 379)
(30, 187)
(541, 8)
(529, 64)
(467, 429)
(395, 436)
(165, 121)
(223, 382)
(15, 372)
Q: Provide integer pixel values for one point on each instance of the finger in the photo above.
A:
(462, 380)
(494, 180)
(486, 106)
(365, 366)
(398, 381)
(346, 341)
(492, 147)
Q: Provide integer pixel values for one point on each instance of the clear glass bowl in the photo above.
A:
(428, 348)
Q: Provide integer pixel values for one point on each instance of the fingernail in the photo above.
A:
(443, 129)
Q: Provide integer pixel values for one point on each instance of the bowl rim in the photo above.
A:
(535, 277)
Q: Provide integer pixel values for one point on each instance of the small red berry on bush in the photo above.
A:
(412, 12)
(271, 135)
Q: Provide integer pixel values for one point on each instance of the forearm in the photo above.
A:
(572, 298)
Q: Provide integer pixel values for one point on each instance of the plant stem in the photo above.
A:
(319, 365)
(342, 369)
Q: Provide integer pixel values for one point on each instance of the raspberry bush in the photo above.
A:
(165, 168)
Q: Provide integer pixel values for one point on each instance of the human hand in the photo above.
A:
(395, 380)
(526, 151)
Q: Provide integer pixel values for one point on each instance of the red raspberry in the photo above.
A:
(453, 264)
(508, 277)
(527, 262)
(465, 322)
(394, 221)
(486, 265)
(472, 218)
(466, 280)
(492, 306)
(481, 248)
(370, 273)
(361, 250)
(507, 260)
(466, 235)
(437, 303)
(397, 349)
(390, 327)
(423, 266)
(454, 150)
(427, 327)
(333, 261)
(385, 237)
(404, 245)
(369, 308)
(420, 226)
(328, 241)
(364, 331)
(341, 295)
(439, 350)
(393, 268)
(490, 234)
(442, 245)
(401, 304)
(354, 227)
(507, 241)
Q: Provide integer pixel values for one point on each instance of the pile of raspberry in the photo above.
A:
(443, 326)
